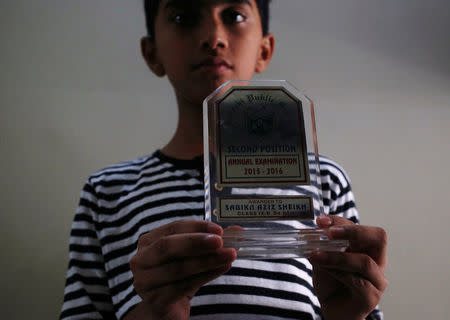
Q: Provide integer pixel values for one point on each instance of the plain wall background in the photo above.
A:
(75, 96)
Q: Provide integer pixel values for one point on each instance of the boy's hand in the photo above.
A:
(172, 263)
(349, 284)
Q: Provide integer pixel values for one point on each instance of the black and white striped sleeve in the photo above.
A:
(338, 196)
(86, 294)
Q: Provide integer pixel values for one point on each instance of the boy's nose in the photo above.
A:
(214, 42)
(214, 36)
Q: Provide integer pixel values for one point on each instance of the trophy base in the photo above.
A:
(280, 244)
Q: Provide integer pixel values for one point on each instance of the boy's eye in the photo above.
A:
(231, 16)
(183, 19)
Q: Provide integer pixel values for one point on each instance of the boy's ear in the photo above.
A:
(150, 55)
(266, 52)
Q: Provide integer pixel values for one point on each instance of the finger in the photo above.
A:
(170, 273)
(190, 286)
(363, 290)
(180, 226)
(352, 263)
(177, 246)
(363, 239)
(234, 228)
(187, 288)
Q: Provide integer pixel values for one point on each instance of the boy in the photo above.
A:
(139, 248)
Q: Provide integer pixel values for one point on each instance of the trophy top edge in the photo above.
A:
(225, 87)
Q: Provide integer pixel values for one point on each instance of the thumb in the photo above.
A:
(327, 220)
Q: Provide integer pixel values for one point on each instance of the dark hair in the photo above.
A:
(151, 9)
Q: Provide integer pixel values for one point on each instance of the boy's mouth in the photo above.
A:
(212, 64)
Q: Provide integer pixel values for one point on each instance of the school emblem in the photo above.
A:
(260, 121)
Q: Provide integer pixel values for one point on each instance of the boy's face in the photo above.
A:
(200, 44)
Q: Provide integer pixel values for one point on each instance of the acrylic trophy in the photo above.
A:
(262, 181)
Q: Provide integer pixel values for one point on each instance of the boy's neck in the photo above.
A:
(187, 142)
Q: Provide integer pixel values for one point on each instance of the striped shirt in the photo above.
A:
(124, 201)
